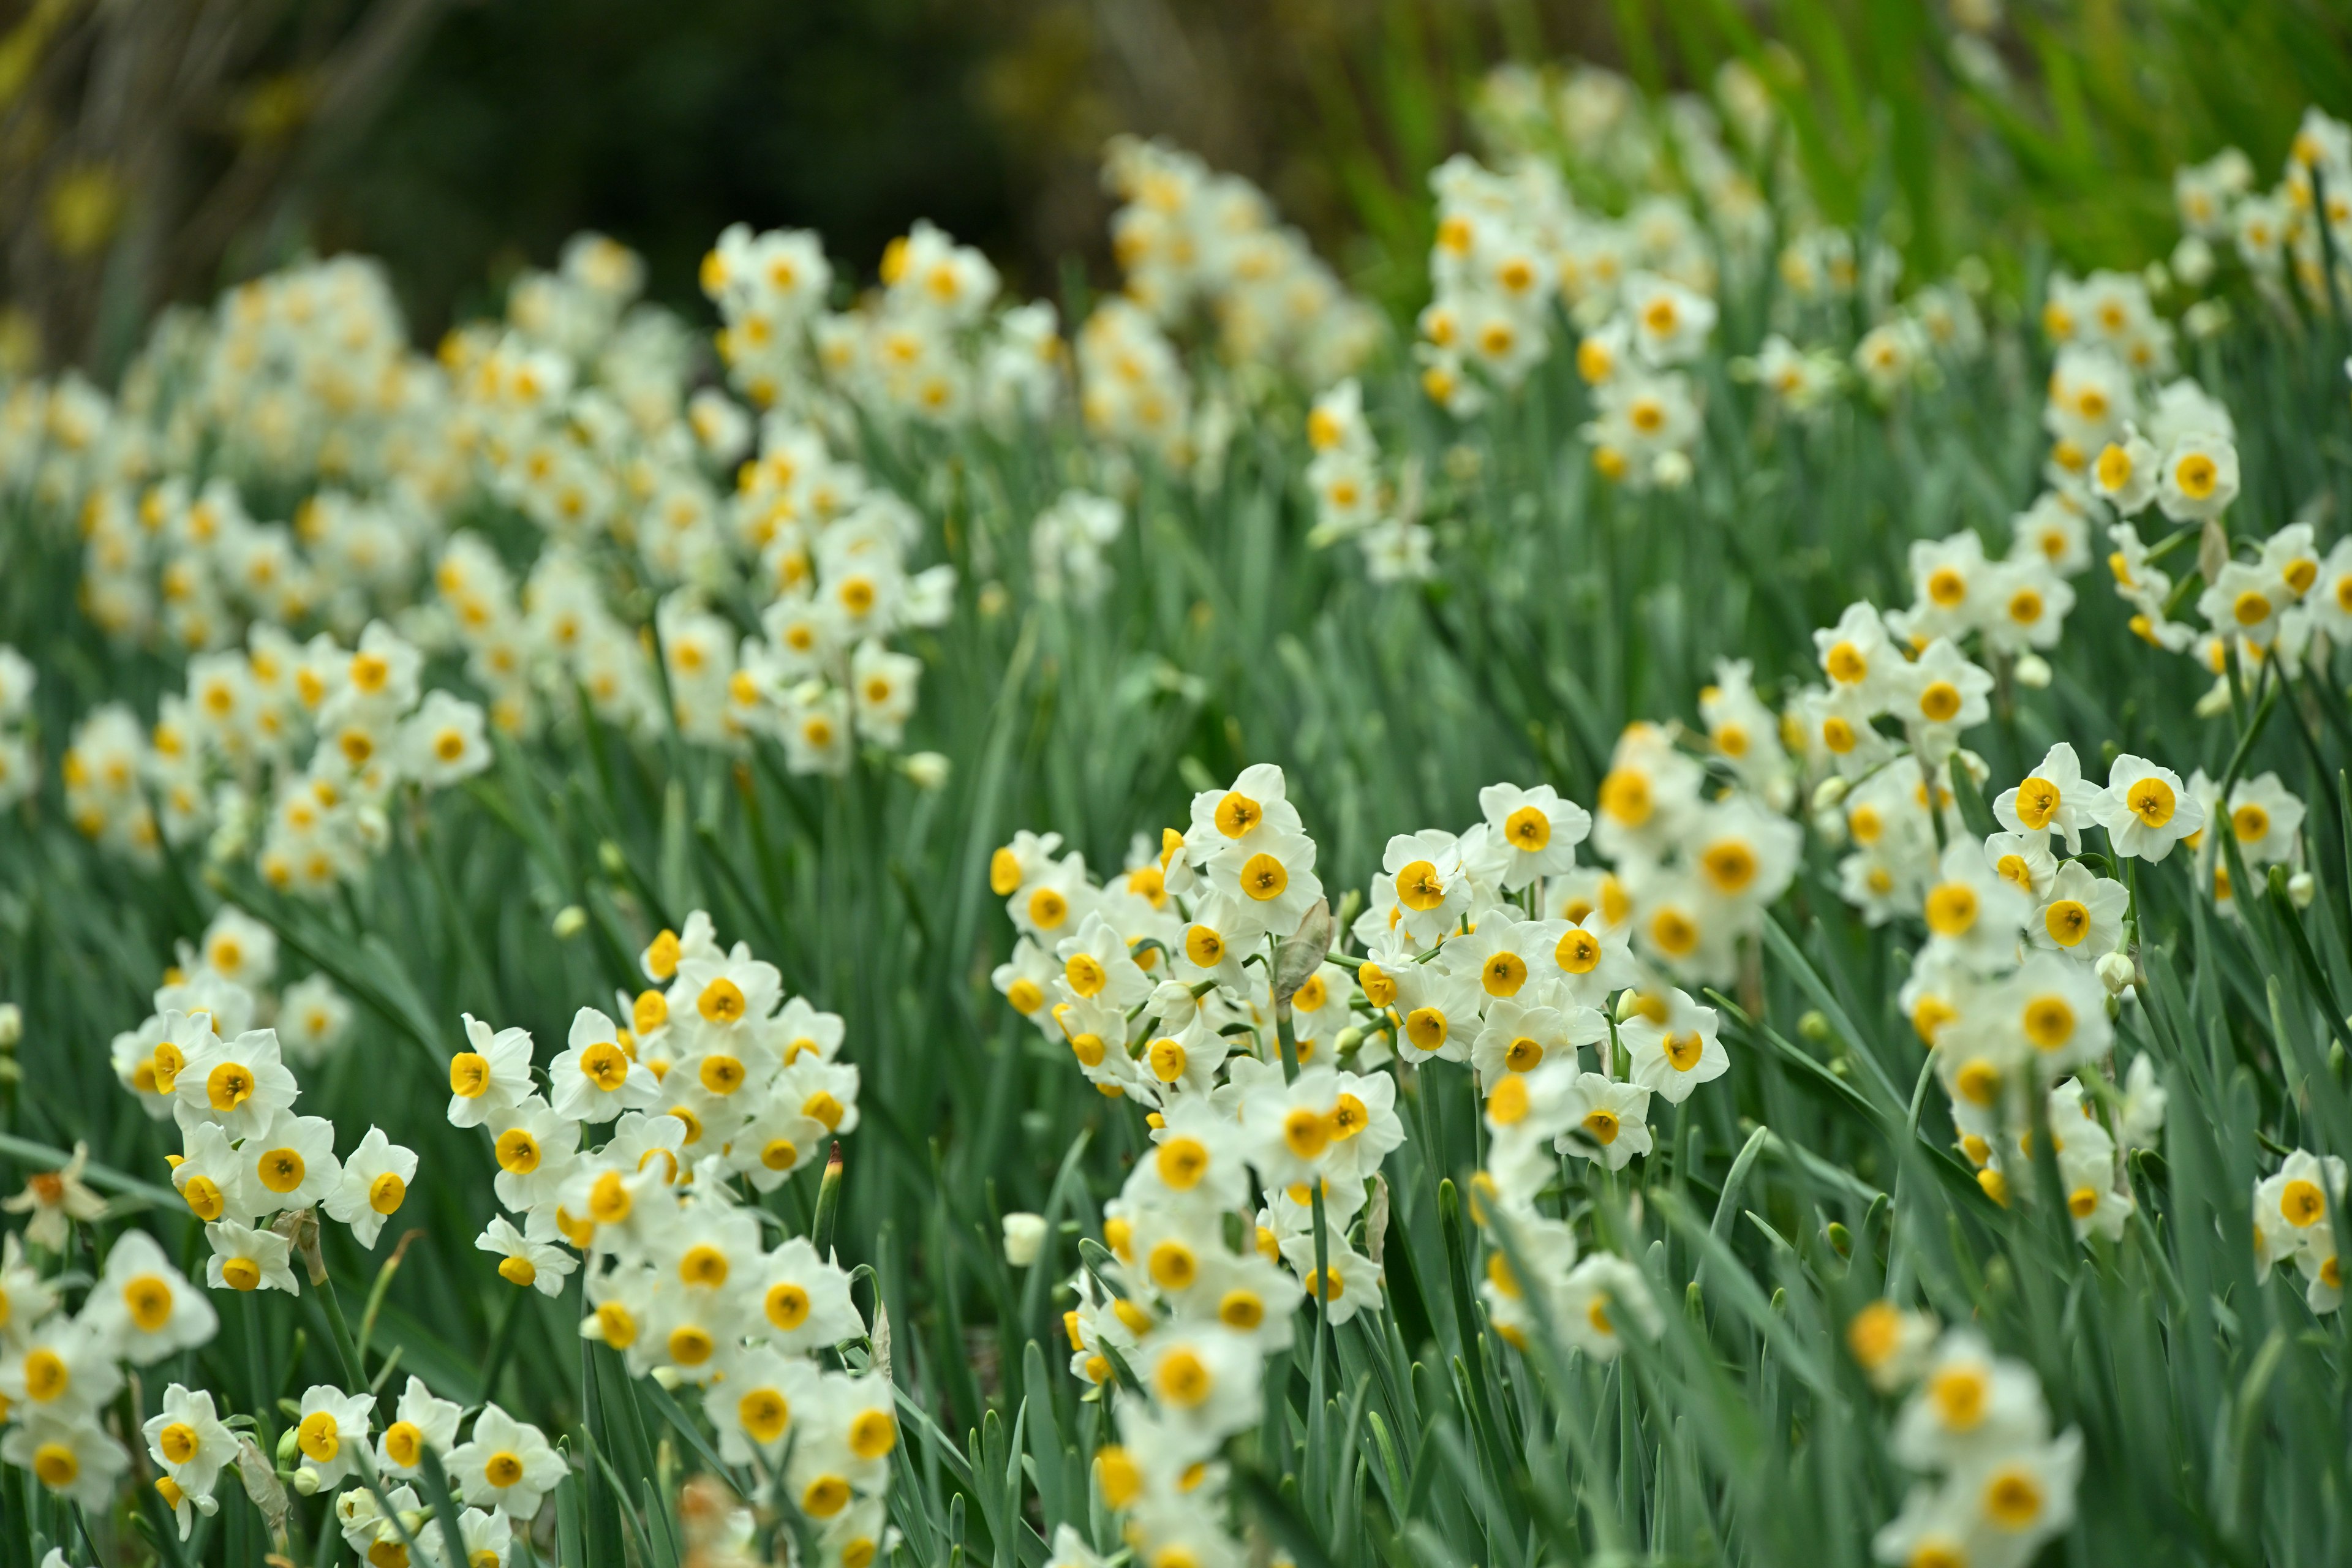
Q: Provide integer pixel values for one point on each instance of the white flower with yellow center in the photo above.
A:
(1097, 964)
(1605, 1300)
(2026, 606)
(2196, 477)
(1743, 854)
(2124, 473)
(1970, 1404)
(290, 1164)
(372, 1186)
(1200, 1157)
(332, 1432)
(507, 1465)
(762, 1403)
(1943, 692)
(1429, 883)
(1537, 830)
(1518, 1036)
(535, 1150)
(1971, 911)
(421, 1423)
(2265, 820)
(1604, 1121)
(1205, 1379)
(1856, 653)
(1437, 1011)
(1345, 1283)
(2053, 798)
(73, 1459)
(246, 1259)
(2147, 809)
(2245, 600)
(1676, 1054)
(238, 1084)
(491, 1076)
(189, 1442)
(147, 1303)
(2022, 860)
(595, 1078)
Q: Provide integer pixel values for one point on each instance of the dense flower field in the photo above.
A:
(1696, 908)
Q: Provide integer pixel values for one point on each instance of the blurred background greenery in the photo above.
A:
(152, 153)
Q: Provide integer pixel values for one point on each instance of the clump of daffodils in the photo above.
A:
(1206, 982)
(1977, 1423)
(1202, 984)
(2294, 1210)
(254, 1171)
(19, 772)
(629, 1154)
(309, 742)
(1354, 499)
(62, 1367)
(2275, 235)
(1190, 241)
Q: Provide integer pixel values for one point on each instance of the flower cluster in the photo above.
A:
(60, 1369)
(19, 776)
(628, 1155)
(1353, 499)
(2279, 230)
(1188, 241)
(1977, 1422)
(2294, 1211)
(1700, 855)
(311, 1016)
(1067, 542)
(1202, 985)
(227, 750)
(251, 1168)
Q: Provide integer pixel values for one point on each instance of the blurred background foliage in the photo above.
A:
(154, 151)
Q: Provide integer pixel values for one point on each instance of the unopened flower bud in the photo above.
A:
(2300, 888)
(2033, 671)
(1814, 1024)
(609, 856)
(306, 1481)
(569, 921)
(1830, 793)
(289, 1444)
(1024, 1234)
(668, 1377)
(928, 770)
(2117, 972)
(11, 1023)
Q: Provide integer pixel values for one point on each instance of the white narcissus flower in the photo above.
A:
(526, 1262)
(373, 1185)
(507, 1464)
(1539, 830)
(2147, 809)
(595, 1078)
(443, 742)
(420, 1422)
(146, 1303)
(2198, 478)
(1675, 1055)
(56, 1199)
(1603, 1299)
(2053, 798)
(291, 1160)
(332, 1433)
